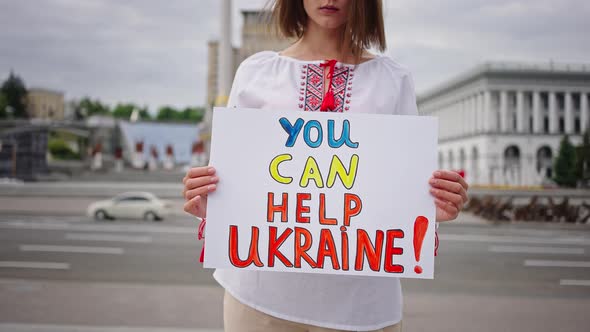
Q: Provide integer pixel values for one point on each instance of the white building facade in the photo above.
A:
(502, 122)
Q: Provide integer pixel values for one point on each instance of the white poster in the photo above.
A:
(325, 192)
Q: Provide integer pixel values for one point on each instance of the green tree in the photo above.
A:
(15, 94)
(144, 114)
(193, 114)
(60, 149)
(583, 159)
(89, 107)
(124, 111)
(3, 104)
(565, 164)
(168, 113)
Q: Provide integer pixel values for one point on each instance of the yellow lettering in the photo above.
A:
(311, 172)
(337, 168)
(274, 169)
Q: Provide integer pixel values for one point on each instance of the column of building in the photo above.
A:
(482, 114)
(553, 118)
(503, 111)
(521, 115)
(584, 111)
(569, 114)
(537, 113)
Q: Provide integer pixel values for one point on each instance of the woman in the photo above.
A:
(328, 68)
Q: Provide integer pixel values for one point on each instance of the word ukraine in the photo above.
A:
(377, 249)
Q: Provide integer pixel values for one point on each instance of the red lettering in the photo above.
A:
(344, 246)
(323, 219)
(364, 246)
(281, 208)
(301, 249)
(350, 211)
(253, 256)
(301, 209)
(274, 244)
(326, 247)
(390, 251)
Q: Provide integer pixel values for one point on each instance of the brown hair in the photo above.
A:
(364, 28)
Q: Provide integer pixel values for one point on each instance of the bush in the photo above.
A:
(565, 164)
(59, 149)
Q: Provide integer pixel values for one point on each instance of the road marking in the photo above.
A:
(108, 238)
(569, 282)
(35, 265)
(542, 263)
(536, 250)
(11, 327)
(515, 239)
(72, 249)
(61, 226)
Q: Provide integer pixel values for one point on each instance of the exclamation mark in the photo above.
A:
(420, 227)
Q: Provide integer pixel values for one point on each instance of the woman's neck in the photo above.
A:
(320, 43)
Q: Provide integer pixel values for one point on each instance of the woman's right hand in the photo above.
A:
(198, 183)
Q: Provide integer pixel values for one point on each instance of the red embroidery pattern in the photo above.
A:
(312, 88)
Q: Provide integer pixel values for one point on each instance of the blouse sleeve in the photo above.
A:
(236, 88)
(406, 104)
(246, 71)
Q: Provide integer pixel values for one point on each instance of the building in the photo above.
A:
(502, 122)
(256, 37)
(45, 104)
(23, 152)
(213, 68)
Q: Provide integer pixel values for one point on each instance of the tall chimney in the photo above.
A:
(225, 55)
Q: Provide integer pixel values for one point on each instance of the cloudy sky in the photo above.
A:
(153, 52)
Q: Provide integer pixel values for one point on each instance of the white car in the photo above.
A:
(130, 205)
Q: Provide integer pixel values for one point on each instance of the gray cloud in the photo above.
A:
(154, 52)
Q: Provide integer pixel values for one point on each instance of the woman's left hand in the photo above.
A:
(450, 194)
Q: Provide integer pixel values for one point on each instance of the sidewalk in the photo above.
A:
(110, 304)
(15, 327)
(93, 307)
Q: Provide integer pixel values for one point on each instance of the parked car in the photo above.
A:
(130, 205)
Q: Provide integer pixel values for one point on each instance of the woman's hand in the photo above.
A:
(198, 182)
(450, 192)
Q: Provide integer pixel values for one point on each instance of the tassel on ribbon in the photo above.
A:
(328, 103)
(201, 236)
(435, 243)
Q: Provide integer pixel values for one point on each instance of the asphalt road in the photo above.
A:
(68, 273)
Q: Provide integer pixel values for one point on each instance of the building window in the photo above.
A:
(577, 100)
(560, 101)
(546, 124)
(514, 122)
(577, 125)
(561, 125)
(545, 100)
(528, 99)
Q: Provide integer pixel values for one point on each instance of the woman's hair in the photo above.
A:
(364, 28)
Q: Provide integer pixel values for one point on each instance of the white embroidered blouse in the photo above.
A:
(268, 80)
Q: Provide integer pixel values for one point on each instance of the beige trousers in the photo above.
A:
(238, 317)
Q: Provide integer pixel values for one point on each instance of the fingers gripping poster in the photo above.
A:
(333, 193)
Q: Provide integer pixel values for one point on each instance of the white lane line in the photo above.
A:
(72, 249)
(571, 282)
(515, 239)
(108, 238)
(61, 226)
(543, 263)
(536, 250)
(35, 265)
(16, 327)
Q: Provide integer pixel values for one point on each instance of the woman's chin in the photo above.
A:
(330, 24)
